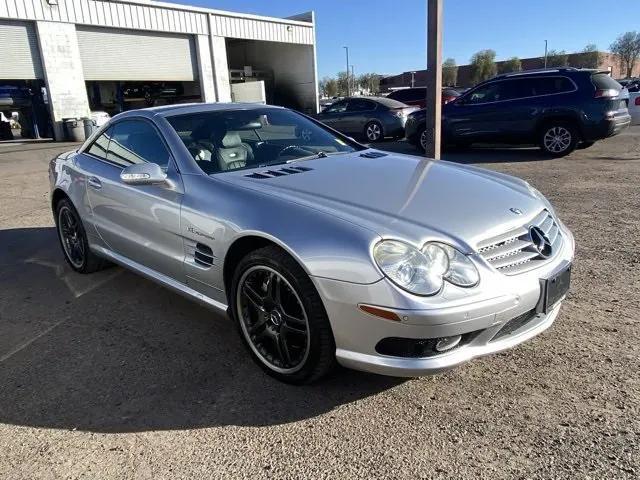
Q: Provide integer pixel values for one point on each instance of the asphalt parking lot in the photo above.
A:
(111, 376)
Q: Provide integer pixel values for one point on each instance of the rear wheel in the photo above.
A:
(423, 140)
(281, 317)
(373, 131)
(558, 139)
(73, 240)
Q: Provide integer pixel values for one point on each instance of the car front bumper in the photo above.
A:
(478, 315)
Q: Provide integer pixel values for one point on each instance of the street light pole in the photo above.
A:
(413, 79)
(348, 88)
(546, 49)
(434, 78)
(353, 79)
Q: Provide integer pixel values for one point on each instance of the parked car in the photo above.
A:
(322, 250)
(371, 117)
(418, 96)
(634, 108)
(150, 92)
(556, 109)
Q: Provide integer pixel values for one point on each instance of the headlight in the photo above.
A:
(423, 272)
(462, 272)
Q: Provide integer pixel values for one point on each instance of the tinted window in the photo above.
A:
(389, 102)
(551, 85)
(517, 88)
(337, 107)
(409, 94)
(603, 81)
(137, 141)
(100, 146)
(359, 105)
(493, 92)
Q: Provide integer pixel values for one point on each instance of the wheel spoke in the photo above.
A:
(254, 297)
(258, 328)
(294, 324)
(274, 289)
(283, 348)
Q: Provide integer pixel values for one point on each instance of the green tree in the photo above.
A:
(589, 57)
(449, 73)
(483, 65)
(370, 82)
(627, 47)
(328, 87)
(512, 65)
(344, 84)
(557, 58)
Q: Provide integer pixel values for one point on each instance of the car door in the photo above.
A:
(140, 223)
(334, 115)
(359, 112)
(477, 116)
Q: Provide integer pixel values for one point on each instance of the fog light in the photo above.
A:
(447, 343)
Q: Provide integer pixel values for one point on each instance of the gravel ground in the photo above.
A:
(111, 376)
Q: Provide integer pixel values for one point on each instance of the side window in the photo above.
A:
(359, 105)
(399, 95)
(337, 107)
(551, 85)
(101, 145)
(136, 141)
(486, 94)
(518, 88)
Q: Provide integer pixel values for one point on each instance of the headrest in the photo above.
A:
(231, 140)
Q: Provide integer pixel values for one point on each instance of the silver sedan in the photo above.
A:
(321, 250)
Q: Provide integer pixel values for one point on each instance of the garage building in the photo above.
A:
(78, 56)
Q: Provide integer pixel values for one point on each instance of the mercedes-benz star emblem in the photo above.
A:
(517, 211)
(540, 242)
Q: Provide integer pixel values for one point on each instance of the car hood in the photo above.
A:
(402, 196)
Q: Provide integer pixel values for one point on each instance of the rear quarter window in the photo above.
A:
(603, 81)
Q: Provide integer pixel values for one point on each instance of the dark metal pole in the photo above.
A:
(348, 86)
(434, 77)
(546, 45)
(353, 79)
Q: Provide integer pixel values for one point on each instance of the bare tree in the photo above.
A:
(328, 87)
(557, 58)
(483, 65)
(449, 73)
(627, 47)
(512, 65)
(343, 83)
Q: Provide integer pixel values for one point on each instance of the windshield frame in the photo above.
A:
(349, 141)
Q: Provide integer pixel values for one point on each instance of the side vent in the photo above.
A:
(203, 255)
(373, 154)
(281, 172)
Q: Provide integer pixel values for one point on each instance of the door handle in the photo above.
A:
(94, 183)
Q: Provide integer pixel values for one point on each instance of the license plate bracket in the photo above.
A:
(552, 289)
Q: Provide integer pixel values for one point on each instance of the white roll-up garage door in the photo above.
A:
(19, 52)
(110, 54)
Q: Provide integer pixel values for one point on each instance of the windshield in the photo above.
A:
(230, 140)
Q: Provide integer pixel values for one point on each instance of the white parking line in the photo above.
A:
(24, 345)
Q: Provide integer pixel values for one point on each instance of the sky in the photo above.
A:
(389, 36)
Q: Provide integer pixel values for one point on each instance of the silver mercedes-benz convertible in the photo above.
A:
(322, 251)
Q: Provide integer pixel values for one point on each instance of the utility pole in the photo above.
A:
(546, 50)
(353, 79)
(434, 78)
(413, 79)
(348, 88)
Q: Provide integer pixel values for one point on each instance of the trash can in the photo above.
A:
(74, 129)
(89, 127)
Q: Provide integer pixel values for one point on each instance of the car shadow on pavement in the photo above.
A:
(113, 352)
(472, 155)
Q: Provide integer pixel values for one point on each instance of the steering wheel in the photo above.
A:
(295, 147)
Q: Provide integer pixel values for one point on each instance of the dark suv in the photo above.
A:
(556, 109)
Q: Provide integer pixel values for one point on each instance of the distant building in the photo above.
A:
(608, 61)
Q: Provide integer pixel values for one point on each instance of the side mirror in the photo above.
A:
(143, 174)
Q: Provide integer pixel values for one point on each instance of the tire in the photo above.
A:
(585, 145)
(373, 132)
(267, 328)
(87, 262)
(421, 140)
(558, 139)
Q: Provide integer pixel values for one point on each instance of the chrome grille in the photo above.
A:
(514, 252)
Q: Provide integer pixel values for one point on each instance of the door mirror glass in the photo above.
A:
(143, 174)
